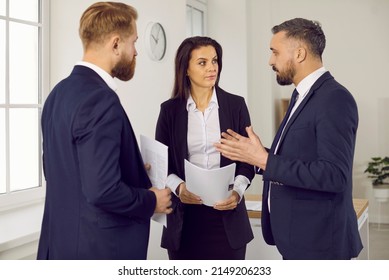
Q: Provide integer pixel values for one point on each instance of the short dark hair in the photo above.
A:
(181, 86)
(307, 31)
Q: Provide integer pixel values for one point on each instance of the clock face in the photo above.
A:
(155, 41)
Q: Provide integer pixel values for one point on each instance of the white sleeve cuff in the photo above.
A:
(172, 182)
(240, 185)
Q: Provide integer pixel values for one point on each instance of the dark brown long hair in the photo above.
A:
(181, 88)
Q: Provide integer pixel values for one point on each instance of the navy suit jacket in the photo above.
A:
(98, 205)
(312, 214)
(172, 128)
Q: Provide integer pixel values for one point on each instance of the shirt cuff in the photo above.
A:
(258, 170)
(172, 182)
(240, 185)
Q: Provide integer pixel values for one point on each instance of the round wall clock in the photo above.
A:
(155, 41)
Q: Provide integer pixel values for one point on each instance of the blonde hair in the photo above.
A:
(106, 18)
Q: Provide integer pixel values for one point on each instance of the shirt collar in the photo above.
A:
(305, 85)
(102, 73)
(191, 105)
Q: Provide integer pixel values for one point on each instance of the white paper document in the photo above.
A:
(156, 154)
(212, 185)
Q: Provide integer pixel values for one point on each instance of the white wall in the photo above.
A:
(230, 30)
(356, 54)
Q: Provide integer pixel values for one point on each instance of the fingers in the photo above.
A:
(164, 202)
(166, 207)
(230, 149)
(228, 204)
(232, 135)
(252, 136)
(250, 131)
(168, 195)
(147, 166)
(188, 197)
(227, 136)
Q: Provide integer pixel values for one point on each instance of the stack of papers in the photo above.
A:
(211, 185)
(155, 154)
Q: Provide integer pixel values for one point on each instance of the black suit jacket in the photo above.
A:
(172, 127)
(98, 205)
(312, 214)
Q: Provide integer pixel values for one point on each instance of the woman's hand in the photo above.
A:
(186, 196)
(228, 204)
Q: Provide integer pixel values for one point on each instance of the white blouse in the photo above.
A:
(203, 132)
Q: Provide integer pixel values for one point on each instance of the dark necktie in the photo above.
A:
(293, 100)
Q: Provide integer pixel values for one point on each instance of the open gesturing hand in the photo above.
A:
(245, 149)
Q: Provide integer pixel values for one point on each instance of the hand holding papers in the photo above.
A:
(211, 185)
(155, 154)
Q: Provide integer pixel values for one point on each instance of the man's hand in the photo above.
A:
(163, 200)
(245, 149)
(147, 167)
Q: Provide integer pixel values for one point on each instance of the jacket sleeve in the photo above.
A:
(97, 129)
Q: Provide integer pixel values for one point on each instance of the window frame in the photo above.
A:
(19, 198)
(200, 5)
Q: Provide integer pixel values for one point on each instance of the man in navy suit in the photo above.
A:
(307, 209)
(99, 198)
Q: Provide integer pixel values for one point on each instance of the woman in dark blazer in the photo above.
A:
(189, 124)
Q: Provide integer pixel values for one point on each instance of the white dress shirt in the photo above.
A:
(102, 73)
(203, 132)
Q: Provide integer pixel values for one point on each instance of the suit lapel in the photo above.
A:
(311, 92)
(224, 119)
(181, 129)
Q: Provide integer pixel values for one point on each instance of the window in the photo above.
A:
(196, 17)
(23, 49)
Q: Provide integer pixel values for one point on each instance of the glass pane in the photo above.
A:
(2, 151)
(2, 65)
(24, 148)
(2, 7)
(197, 21)
(23, 64)
(24, 9)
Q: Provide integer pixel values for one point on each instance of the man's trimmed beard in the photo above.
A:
(124, 70)
(286, 77)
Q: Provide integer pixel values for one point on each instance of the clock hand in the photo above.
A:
(155, 39)
(159, 30)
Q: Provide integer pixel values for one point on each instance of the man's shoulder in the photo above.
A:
(330, 91)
